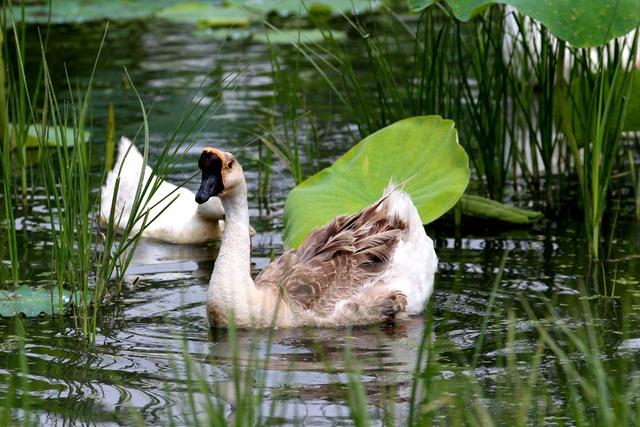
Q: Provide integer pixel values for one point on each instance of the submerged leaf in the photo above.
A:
(490, 209)
(583, 23)
(421, 152)
(52, 135)
(30, 302)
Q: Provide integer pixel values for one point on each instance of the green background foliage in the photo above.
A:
(583, 23)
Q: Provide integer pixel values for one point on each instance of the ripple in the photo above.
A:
(155, 349)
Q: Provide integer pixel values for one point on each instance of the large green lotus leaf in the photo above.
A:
(422, 153)
(490, 209)
(30, 302)
(206, 15)
(583, 23)
(297, 7)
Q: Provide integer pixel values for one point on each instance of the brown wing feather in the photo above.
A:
(335, 260)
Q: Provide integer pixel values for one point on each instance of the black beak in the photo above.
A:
(211, 166)
(210, 186)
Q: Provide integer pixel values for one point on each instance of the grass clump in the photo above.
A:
(86, 262)
(542, 121)
(599, 95)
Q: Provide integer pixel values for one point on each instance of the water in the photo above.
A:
(137, 370)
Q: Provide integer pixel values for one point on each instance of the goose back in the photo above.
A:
(336, 261)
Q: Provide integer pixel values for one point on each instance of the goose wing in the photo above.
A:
(336, 260)
(177, 218)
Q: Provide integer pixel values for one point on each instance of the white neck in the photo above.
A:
(231, 288)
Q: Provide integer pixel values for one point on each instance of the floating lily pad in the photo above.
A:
(53, 136)
(296, 7)
(272, 36)
(234, 13)
(296, 36)
(78, 11)
(421, 152)
(31, 302)
(207, 15)
(583, 23)
(490, 209)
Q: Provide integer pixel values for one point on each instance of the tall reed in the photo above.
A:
(379, 98)
(7, 182)
(85, 260)
(9, 135)
(598, 91)
(290, 133)
(371, 102)
(532, 112)
(16, 126)
(537, 83)
(483, 73)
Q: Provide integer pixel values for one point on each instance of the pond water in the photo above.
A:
(137, 371)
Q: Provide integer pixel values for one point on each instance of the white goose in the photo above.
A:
(183, 221)
(368, 267)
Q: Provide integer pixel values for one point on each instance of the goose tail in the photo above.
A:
(126, 153)
(127, 165)
(398, 203)
(414, 260)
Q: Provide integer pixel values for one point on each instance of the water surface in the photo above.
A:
(137, 370)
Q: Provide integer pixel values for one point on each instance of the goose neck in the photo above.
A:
(233, 264)
(231, 288)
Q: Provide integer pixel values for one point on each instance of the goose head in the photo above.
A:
(221, 174)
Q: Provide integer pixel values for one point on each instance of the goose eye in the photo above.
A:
(230, 164)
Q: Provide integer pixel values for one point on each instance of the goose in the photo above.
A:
(182, 221)
(372, 266)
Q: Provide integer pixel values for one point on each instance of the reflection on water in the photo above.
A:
(137, 369)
